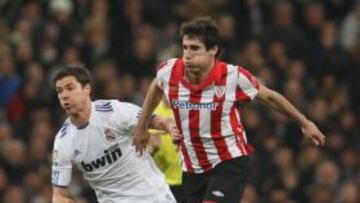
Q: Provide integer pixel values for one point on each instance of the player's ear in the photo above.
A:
(87, 88)
(214, 50)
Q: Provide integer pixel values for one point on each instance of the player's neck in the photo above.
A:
(196, 76)
(81, 118)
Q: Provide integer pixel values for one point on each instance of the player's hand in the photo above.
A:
(173, 131)
(140, 139)
(312, 133)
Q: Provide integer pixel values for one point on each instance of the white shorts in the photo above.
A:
(162, 197)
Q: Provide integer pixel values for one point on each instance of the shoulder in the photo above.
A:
(167, 64)
(239, 70)
(126, 109)
(165, 67)
(126, 114)
(232, 68)
(64, 130)
(104, 105)
(63, 136)
(245, 74)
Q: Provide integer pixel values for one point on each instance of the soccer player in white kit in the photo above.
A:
(97, 138)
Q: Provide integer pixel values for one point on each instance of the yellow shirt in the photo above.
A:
(167, 157)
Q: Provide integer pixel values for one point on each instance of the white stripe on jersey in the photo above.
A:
(205, 129)
(225, 124)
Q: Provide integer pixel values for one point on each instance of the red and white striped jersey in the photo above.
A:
(208, 114)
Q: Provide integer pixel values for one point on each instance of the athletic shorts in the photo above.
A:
(225, 183)
(163, 196)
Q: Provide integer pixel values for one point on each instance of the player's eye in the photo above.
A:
(70, 87)
(195, 48)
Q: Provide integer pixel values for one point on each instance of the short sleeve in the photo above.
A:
(61, 164)
(163, 72)
(247, 83)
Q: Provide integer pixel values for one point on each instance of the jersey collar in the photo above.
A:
(209, 80)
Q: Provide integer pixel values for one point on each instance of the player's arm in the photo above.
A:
(61, 195)
(278, 102)
(152, 99)
(61, 170)
(165, 124)
(161, 123)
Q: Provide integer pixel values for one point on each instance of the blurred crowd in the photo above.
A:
(308, 50)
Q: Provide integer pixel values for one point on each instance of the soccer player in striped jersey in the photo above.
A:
(204, 94)
(96, 138)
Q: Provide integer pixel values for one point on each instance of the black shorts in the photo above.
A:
(177, 191)
(225, 183)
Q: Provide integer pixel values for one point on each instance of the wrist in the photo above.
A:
(306, 123)
(142, 126)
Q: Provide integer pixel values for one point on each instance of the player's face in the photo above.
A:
(195, 54)
(72, 94)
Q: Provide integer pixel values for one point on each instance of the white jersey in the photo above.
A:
(102, 150)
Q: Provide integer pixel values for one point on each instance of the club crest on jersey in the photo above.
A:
(220, 91)
(110, 136)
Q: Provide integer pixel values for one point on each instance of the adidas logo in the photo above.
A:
(103, 107)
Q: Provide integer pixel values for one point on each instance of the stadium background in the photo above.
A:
(307, 50)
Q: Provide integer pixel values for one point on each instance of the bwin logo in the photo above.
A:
(111, 155)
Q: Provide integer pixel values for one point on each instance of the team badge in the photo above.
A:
(220, 91)
(110, 136)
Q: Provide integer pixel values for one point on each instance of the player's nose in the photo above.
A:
(187, 57)
(64, 96)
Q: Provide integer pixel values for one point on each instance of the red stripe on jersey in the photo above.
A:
(216, 115)
(249, 149)
(175, 76)
(237, 130)
(194, 122)
(240, 95)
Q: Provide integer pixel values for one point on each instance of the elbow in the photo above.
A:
(58, 198)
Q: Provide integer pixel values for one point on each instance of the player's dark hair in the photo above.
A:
(203, 28)
(81, 74)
